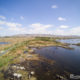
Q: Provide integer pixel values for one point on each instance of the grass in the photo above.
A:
(19, 45)
(12, 41)
(44, 38)
(47, 41)
(15, 51)
(78, 44)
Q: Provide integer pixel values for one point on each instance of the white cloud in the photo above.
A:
(70, 31)
(2, 17)
(14, 27)
(61, 19)
(59, 32)
(1, 28)
(64, 26)
(2, 22)
(21, 17)
(74, 31)
(18, 29)
(54, 6)
(38, 28)
(9, 24)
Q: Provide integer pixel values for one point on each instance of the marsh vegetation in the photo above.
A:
(20, 52)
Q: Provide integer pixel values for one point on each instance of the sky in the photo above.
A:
(57, 17)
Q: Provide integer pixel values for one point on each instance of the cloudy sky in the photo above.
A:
(58, 17)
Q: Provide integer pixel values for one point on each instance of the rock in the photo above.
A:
(32, 72)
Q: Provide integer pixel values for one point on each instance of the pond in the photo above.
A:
(4, 43)
(66, 59)
(70, 41)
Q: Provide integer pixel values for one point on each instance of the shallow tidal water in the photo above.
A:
(65, 59)
(4, 43)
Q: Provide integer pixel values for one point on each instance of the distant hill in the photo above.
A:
(44, 35)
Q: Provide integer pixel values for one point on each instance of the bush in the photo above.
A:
(43, 38)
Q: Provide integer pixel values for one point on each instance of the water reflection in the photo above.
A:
(70, 41)
(66, 59)
(4, 42)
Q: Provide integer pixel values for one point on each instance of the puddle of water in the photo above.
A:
(4, 42)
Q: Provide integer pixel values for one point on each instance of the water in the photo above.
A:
(3, 52)
(4, 43)
(66, 59)
(70, 41)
